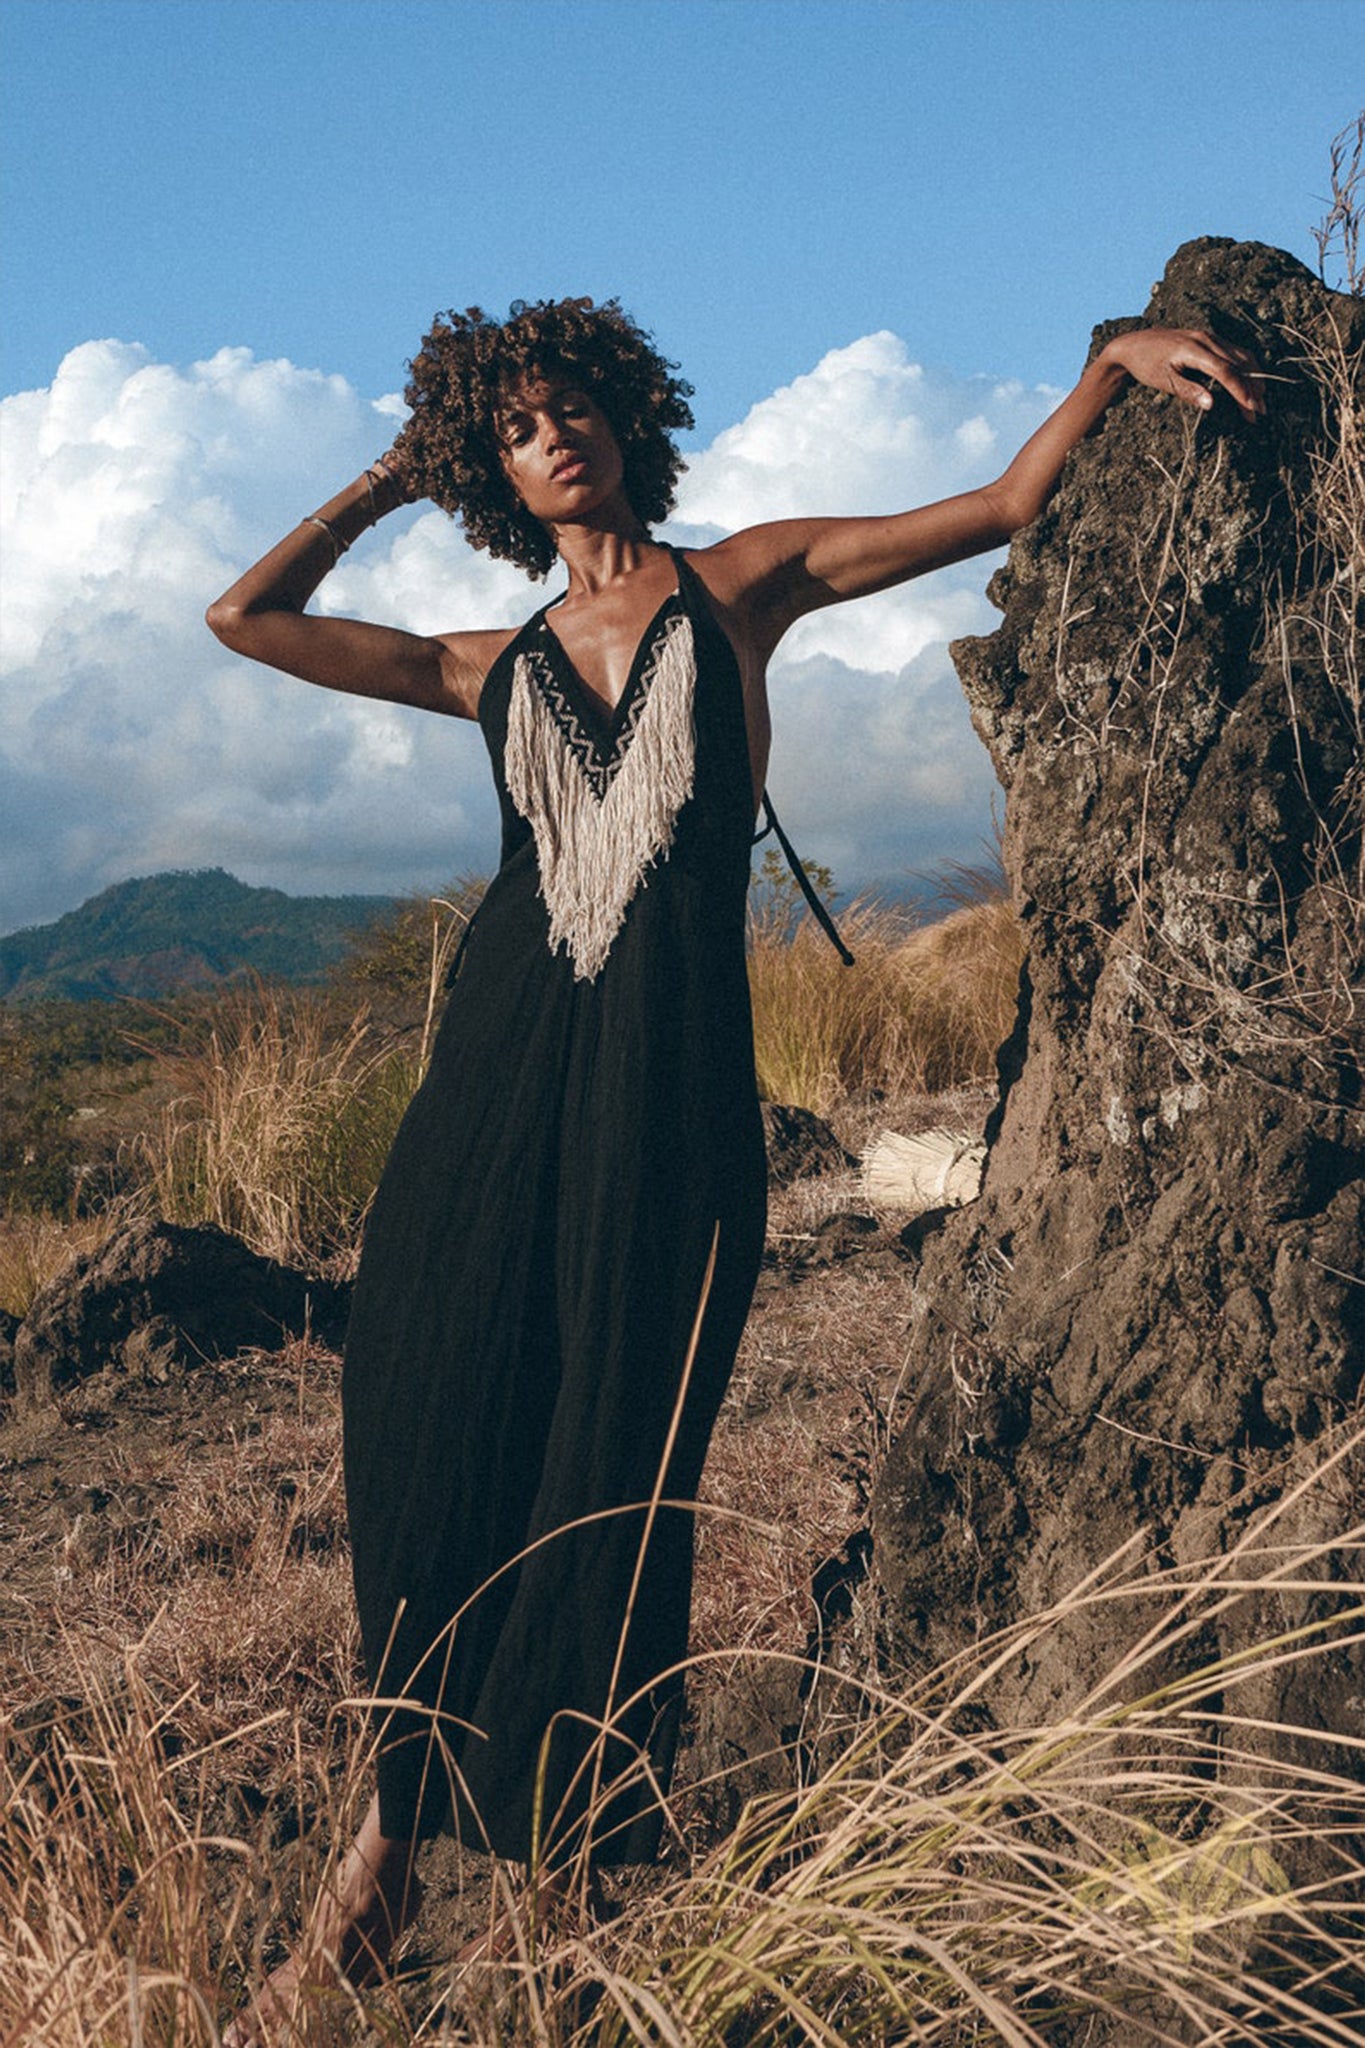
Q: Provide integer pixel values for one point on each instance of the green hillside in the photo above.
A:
(161, 935)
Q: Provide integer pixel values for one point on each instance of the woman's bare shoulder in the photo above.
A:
(750, 570)
(480, 646)
(466, 659)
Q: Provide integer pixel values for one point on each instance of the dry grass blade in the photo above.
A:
(1338, 233)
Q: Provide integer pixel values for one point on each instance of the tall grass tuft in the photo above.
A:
(1159, 1859)
(35, 1248)
(110, 1895)
(962, 981)
(279, 1126)
(923, 1009)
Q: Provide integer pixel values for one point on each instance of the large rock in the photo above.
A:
(1152, 1319)
(801, 1145)
(162, 1296)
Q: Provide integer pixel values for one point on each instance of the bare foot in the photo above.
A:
(350, 1940)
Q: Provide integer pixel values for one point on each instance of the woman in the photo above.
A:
(562, 1251)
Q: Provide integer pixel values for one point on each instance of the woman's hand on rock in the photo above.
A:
(1159, 355)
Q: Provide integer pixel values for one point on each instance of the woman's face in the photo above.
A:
(558, 449)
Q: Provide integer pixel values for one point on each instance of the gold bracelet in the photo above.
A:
(401, 493)
(375, 514)
(339, 546)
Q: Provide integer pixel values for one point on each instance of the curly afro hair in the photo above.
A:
(468, 363)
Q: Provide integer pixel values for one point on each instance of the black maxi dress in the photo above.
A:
(577, 1185)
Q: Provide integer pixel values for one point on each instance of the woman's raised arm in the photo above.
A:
(794, 566)
(262, 616)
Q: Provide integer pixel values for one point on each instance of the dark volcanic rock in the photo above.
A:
(800, 1145)
(1152, 1320)
(841, 1236)
(9, 1330)
(159, 1296)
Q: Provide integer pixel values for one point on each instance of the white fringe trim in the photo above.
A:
(593, 851)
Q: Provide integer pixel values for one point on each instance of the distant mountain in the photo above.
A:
(165, 934)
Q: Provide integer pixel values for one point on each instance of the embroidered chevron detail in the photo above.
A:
(580, 740)
(601, 819)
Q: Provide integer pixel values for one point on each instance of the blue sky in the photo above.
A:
(287, 190)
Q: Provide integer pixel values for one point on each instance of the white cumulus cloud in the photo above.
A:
(132, 492)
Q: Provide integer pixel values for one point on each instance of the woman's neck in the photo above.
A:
(596, 556)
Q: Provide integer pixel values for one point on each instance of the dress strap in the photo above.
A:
(817, 909)
(687, 574)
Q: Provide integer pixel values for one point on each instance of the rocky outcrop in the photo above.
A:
(160, 1297)
(1153, 1320)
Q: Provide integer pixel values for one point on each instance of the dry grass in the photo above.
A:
(924, 1009)
(1338, 233)
(177, 1770)
(279, 1126)
(35, 1248)
(927, 1883)
(962, 980)
(1288, 998)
